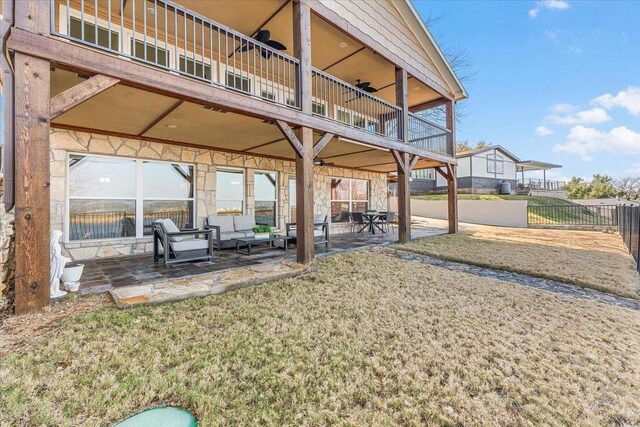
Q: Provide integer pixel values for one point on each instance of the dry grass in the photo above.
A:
(590, 259)
(362, 339)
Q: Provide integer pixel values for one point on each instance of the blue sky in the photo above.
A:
(557, 80)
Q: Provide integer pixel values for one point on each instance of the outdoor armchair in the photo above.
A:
(180, 245)
(320, 230)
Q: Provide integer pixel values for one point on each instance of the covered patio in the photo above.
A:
(105, 274)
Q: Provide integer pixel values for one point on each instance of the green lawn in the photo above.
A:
(361, 339)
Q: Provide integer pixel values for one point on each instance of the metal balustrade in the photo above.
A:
(540, 184)
(428, 135)
(343, 102)
(168, 36)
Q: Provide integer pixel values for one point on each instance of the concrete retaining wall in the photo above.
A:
(504, 213)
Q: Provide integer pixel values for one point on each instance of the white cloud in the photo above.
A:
(584, 141)
(563, 108)
(548, 4)
(585, 117)
(628, 99)
(544, 131)
(552, 35)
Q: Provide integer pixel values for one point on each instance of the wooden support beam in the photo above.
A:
(404, 202)
(428, 105)
(397, 156)
(33, 16)
(76, 95)
(451, 125)
(402, 101)
(321, 144)
(452, 197)
(160, 118)
(412, 163)
(32, 82)
(443, 173)
(291, 137)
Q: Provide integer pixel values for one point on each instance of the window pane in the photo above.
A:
(359, 122)
(75, 31)
(359, 190)
(339, 189)
(179, 211)
(318, 108)
(230, 185)
(236, 81)
(167, 181)
(229, 207)
(187, 65)
(265, 183)
(359, 206)
(268, 95)
(292, 200)
(101, 219)
(339, 211)
(266, 212)
(138, 51)
(343, 116)
(102, 177)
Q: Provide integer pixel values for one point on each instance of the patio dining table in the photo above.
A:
(370, 221)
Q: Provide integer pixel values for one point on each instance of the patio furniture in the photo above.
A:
(180, 245)
(370, 221)
(228, 227)
(249, 242)
(320, 230)
(386, 221)
(357, 220)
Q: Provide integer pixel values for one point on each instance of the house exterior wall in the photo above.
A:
(206, 162)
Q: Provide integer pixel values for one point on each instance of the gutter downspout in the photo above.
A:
(8, 89)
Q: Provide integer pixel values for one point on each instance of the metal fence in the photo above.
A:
(629, 229)
(428, 135)
(540, 184)
(601, 215)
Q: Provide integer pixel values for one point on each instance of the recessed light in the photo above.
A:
(343, 44)
(171, 126)
(416, 88)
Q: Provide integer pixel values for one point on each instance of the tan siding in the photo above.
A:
(380, 20)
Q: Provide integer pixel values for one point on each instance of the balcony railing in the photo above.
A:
(428, 135)
(343, 102)
(540, 184)
(168, 36)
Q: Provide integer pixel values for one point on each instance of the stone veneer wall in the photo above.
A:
(7, 260)
(206, 163)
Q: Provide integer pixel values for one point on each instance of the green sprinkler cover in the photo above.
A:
(167, 416)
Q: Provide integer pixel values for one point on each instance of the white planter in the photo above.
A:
(71, 277)
(262, 235)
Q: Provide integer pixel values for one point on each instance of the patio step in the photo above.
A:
(204, 284)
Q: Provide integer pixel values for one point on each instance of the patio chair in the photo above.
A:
(386, 222)
(320, 230)
(177, 245)
(357, 221)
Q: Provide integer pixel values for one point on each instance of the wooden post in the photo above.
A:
(452, 197)
(304, 158)
(402, 159)
(402, 102)
(32, 183)
(451, 125)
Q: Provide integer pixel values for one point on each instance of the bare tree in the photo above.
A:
(628, 187)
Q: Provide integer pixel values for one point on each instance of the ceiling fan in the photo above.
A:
(365, 86)
(264, 37)
(319, 162)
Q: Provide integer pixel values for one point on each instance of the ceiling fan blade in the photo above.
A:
(362, 85)
(370, 89)
(266, 54)
(276, 45)
(246, 47)
(263, 36)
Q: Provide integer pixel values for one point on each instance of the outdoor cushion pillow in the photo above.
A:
(231, 235)
(319, 218)
(316, 233)
(244, 222)
(225, 222)
(170, 227)
(190, 245)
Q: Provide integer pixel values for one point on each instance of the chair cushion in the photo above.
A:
(170, 227)
(190, 245)
(316, 233)
(319, 218)
(247, 233)
(231, 235)
(244, 222)
(225, 222)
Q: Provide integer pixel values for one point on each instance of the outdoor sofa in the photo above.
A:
(227, 227)
(320, 230)
(180, 245)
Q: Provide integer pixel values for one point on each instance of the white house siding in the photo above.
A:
(206, 163)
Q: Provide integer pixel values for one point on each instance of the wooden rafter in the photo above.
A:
(160, 117)
(321, 144)
(76, 95)
(290, 136)
(428, 105)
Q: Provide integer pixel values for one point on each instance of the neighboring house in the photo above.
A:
(484, 170)
(148, 109)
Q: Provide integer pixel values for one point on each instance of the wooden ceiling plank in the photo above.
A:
(76, 95)
(160, 118)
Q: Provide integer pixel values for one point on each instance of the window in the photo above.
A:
(292, 200)
(343, 116)
(348, 195)
(89, 36)
(147, 52)
(266, 197)
(495, 164)
(116, 197)
(230, 192)
(268, 95)
(194, 67)
(318, 108)
(422, 174)
(167, 193)
(237, 81)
